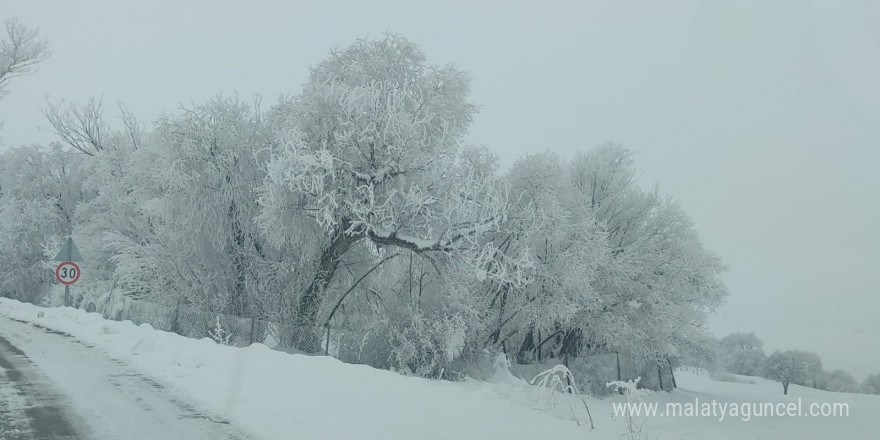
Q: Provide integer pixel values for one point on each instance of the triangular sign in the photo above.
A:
(68, 252)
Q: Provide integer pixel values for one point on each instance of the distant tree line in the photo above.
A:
(743, 353)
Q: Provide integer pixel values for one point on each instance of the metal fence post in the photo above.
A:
(618, 365)
(252, 328)
(327, 342)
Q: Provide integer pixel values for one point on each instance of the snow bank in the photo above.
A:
(276, 395)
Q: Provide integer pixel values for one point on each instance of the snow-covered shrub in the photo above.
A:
(369, 346)
(219, 334)
(559, 380)
(428, 345)
(633, 393)
(592, 372)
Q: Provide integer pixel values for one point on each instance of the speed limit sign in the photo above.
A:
(67, 273)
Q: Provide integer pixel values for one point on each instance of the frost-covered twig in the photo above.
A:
(219, 334)
(633, 394)
(552, 380)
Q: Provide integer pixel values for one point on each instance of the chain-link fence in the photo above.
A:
(357, 347)
(372, 346)
(195, 323)
(599, 369)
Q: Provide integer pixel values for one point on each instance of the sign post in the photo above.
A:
(68, 272)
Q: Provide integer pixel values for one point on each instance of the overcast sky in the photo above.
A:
(762, 118)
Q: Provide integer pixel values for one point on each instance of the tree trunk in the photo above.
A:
(538, 348)
(238, 304)
(785, 388)
(175, 321)
(660, 376)
(307, 337)
(567, 377)
(528, 344)
(618, 365)
(571, 342)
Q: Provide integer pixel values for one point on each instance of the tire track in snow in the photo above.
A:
(112, 400)
(45, 417)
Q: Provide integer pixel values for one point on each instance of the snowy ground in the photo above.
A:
(29, 406)
(117, 380)
(65, 390)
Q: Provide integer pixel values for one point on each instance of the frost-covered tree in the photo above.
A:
(841, 381)
(659, 282)
(697, 350)
(39, 190)
(369, 156)
(786, 368)
(794, 366)
(118, 186)
(610, 267)
(558, 245)
(203, 248)
(749, 362)
(812, 368)
(741, 341)
(21, 49)
(871, 385)
(741, 353)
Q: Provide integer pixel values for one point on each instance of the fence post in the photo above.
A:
(175, 321)
(327, 341)
(252, 329)
(660, 376)
(618, 365)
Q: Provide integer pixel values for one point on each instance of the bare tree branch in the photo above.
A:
(344, 295)
(81, 127)
(133, 128)
(20, 50)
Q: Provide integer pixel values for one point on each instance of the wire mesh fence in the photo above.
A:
(597, 370)
(349, 346)
(373, 346)
(195, 323)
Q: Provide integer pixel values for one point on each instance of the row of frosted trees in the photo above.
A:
(743, 353)
(356, 204)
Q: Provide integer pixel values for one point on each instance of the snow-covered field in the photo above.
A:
(273, 395)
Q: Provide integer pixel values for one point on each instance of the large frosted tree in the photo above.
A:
(558, 245)
(660, 282)
(786, 367)
(39, 190)
(610, 267)
(203, 248)
(369, 154)
(613, 267)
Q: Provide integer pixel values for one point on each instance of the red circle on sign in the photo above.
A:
(70, 273)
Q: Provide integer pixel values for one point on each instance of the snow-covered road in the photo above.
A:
(29, 407)
(54, 387)
(112, 391)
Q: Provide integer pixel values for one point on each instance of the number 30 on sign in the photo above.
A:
(67, 273)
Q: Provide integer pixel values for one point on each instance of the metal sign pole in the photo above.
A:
(66, 286)
(67, 255)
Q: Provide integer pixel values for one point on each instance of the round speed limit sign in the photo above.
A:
(67, 273)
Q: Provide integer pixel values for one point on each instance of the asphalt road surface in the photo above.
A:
(55, 387)
(29, 407)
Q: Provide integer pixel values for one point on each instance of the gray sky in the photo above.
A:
(761, 117)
